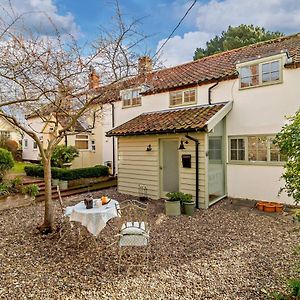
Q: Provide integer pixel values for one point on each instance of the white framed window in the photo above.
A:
(82, 142)
(237, 149)
(4, 134)
(254, 149)
(35, 146)
(260, 73)
(131, 97)
(25, 143)
(183, 97)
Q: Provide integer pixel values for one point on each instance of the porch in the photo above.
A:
(174, 150)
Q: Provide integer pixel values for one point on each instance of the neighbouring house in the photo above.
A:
(83, 134)
(205, 127)
(9, 132)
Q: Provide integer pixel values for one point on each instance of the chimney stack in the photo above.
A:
(94, 79)
(144, 65)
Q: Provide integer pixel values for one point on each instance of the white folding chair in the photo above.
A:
(133, 234)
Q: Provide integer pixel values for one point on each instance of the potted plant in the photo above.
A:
(63, 184)
(172, 204)
(55, 182)
(188, 204)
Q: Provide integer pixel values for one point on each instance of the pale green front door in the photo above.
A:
(169, 171)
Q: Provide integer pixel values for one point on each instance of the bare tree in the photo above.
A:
(47, 77)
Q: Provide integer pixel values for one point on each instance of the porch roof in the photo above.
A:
(195, 118)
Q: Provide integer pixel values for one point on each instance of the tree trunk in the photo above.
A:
(47, 226)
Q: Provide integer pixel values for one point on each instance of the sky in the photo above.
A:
(208, 18)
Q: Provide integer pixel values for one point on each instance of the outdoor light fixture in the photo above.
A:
(181, 147)
(149, 148)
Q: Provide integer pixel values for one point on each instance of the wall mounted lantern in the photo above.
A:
(181, 146)
(149, 148)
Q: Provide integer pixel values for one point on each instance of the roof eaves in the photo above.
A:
(150, 132)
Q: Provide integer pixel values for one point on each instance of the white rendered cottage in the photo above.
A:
(232, 103)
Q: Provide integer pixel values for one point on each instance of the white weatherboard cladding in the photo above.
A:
(136, 166)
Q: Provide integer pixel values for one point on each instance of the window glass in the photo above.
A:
(35, 145)
(176, 98)
(249, 76)
(237, 151)
(215, 148)
(5, 134)
(189, 96)
(257, 149)
(275, 154)
(131, 97)
(136, 101)
(270, 71)
(81, 145)
(93, 145)
(82, 142)
(25, 143)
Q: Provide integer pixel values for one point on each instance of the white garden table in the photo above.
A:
(94, 219)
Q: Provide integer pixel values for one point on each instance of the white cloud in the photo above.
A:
(217, 15)
(213, 17)
(181, 49)
(40, 16)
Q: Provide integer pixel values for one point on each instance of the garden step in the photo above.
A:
(79, 189)
(38, 182)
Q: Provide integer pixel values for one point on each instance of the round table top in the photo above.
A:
(80, 207)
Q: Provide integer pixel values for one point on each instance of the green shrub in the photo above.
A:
(6, 162)
(179, 196)
(63, 155)
(294, 285)
(16, 184)
(4, 189)
(31, 189)
(68, 174)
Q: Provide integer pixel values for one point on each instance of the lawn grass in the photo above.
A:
(19, 167)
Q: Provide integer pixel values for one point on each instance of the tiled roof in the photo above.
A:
(219, 66)
(64, 121)
(168, 121)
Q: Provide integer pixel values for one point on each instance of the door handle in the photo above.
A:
(160, 167)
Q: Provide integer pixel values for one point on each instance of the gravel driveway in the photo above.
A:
(220, 253)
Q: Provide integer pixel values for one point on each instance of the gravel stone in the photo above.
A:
(220, 253)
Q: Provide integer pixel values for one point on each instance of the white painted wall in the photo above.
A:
(14, 134)
(259, 110)
(87, 158)
(28, 152)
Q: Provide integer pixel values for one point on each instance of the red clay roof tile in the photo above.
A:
(168, 121)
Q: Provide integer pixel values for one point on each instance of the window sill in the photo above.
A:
(257, 163)
(183, 104)
(260, 85)
(130, 106)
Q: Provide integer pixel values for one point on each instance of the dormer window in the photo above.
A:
(185, 97)
(262, 72)
(131, 98)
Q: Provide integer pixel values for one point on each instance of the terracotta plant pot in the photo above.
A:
(279, 207)
(260, 205)
(269, 207)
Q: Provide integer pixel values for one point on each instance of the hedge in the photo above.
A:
(68, 174)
